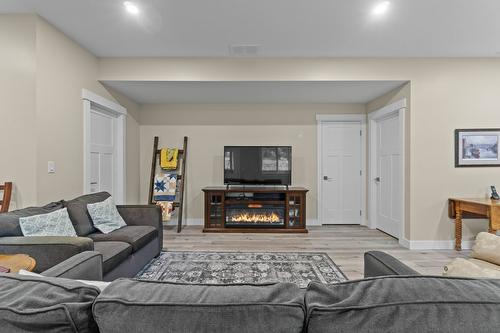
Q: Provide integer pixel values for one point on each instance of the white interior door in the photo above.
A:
(102, 151)
(341, 188)
(389, 178)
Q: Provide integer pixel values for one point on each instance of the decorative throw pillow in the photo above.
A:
(487, 248)
(460, 267)
(105, 216)
(56, 223)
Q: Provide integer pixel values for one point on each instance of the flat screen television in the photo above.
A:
(258, 165)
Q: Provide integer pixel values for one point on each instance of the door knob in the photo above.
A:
(377, 179)
(326, 178)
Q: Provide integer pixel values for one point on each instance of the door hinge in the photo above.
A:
(360, 213)
(361, 133)
(361, 172)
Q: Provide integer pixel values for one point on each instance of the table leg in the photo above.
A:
(458, 228)
(490, 225)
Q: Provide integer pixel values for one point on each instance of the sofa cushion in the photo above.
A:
(78, 213)
(137, 236)
(404, 304)
(30, 304)
(113, 254)
(9, 222)
(152, 306)
(487, 248)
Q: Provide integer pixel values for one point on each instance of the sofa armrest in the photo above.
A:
(82, 266)
(379, 263)
(48, 251)
(143, 215)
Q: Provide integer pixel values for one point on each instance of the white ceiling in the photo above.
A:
(289, 28)
(254, 92)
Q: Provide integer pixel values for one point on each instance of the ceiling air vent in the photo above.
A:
(243, 50)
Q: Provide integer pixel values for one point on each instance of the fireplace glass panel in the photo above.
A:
(246, 215)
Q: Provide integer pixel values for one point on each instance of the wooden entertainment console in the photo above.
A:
(255, 209)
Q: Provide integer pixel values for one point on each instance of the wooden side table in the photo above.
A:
(16, 262)
(460, 208)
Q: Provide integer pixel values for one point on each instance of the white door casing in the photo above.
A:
(341, 164)
(104, 146)
(387, 169)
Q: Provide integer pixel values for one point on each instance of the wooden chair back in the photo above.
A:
(7, 193)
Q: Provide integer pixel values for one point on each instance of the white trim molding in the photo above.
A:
(398, 107)
(103, 103)
(95, 103)
(341, 118)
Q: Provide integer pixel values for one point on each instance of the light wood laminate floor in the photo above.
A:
(345, 244)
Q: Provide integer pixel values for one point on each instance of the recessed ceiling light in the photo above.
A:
(381, 8)
(131, 7)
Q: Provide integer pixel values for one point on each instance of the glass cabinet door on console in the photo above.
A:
(296, 210)
(215, 210)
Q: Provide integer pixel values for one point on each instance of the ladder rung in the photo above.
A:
(179, 152)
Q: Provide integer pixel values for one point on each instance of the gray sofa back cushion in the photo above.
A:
(404, 304)
(79, 215)
(9, 222)
(152, 306)
(30, 304)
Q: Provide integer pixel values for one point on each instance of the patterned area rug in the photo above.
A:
(241, 267)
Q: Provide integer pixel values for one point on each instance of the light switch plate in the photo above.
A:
(51, 167)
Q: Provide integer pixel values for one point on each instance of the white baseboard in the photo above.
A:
(312, 222)
(404, 243)
(434, 245)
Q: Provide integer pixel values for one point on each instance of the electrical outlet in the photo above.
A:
(51, 167)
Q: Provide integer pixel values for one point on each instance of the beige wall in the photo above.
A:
(17, 111)
(445, 94)
(42, 73)
(63, 69)
(211, 127)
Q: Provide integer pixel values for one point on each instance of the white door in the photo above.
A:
(388, 177)
(341, 173)
(102, 150)
(104, 126)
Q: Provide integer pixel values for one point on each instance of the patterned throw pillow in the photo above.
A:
(105, 216)
(56, 223)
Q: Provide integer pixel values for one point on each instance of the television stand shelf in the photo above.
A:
(255, 209)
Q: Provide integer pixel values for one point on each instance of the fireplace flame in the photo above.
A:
(256, 218)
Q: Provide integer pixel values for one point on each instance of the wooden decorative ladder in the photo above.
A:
(181, 178)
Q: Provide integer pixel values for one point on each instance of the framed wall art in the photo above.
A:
(477, 147)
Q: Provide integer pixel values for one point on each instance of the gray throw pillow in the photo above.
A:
(56, 223)
(105, 216)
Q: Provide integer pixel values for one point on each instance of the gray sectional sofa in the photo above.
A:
(384, 302)
(124, 251)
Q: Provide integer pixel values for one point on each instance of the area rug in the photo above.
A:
(242, 267)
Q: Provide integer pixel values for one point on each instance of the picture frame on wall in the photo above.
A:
(477, 147)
